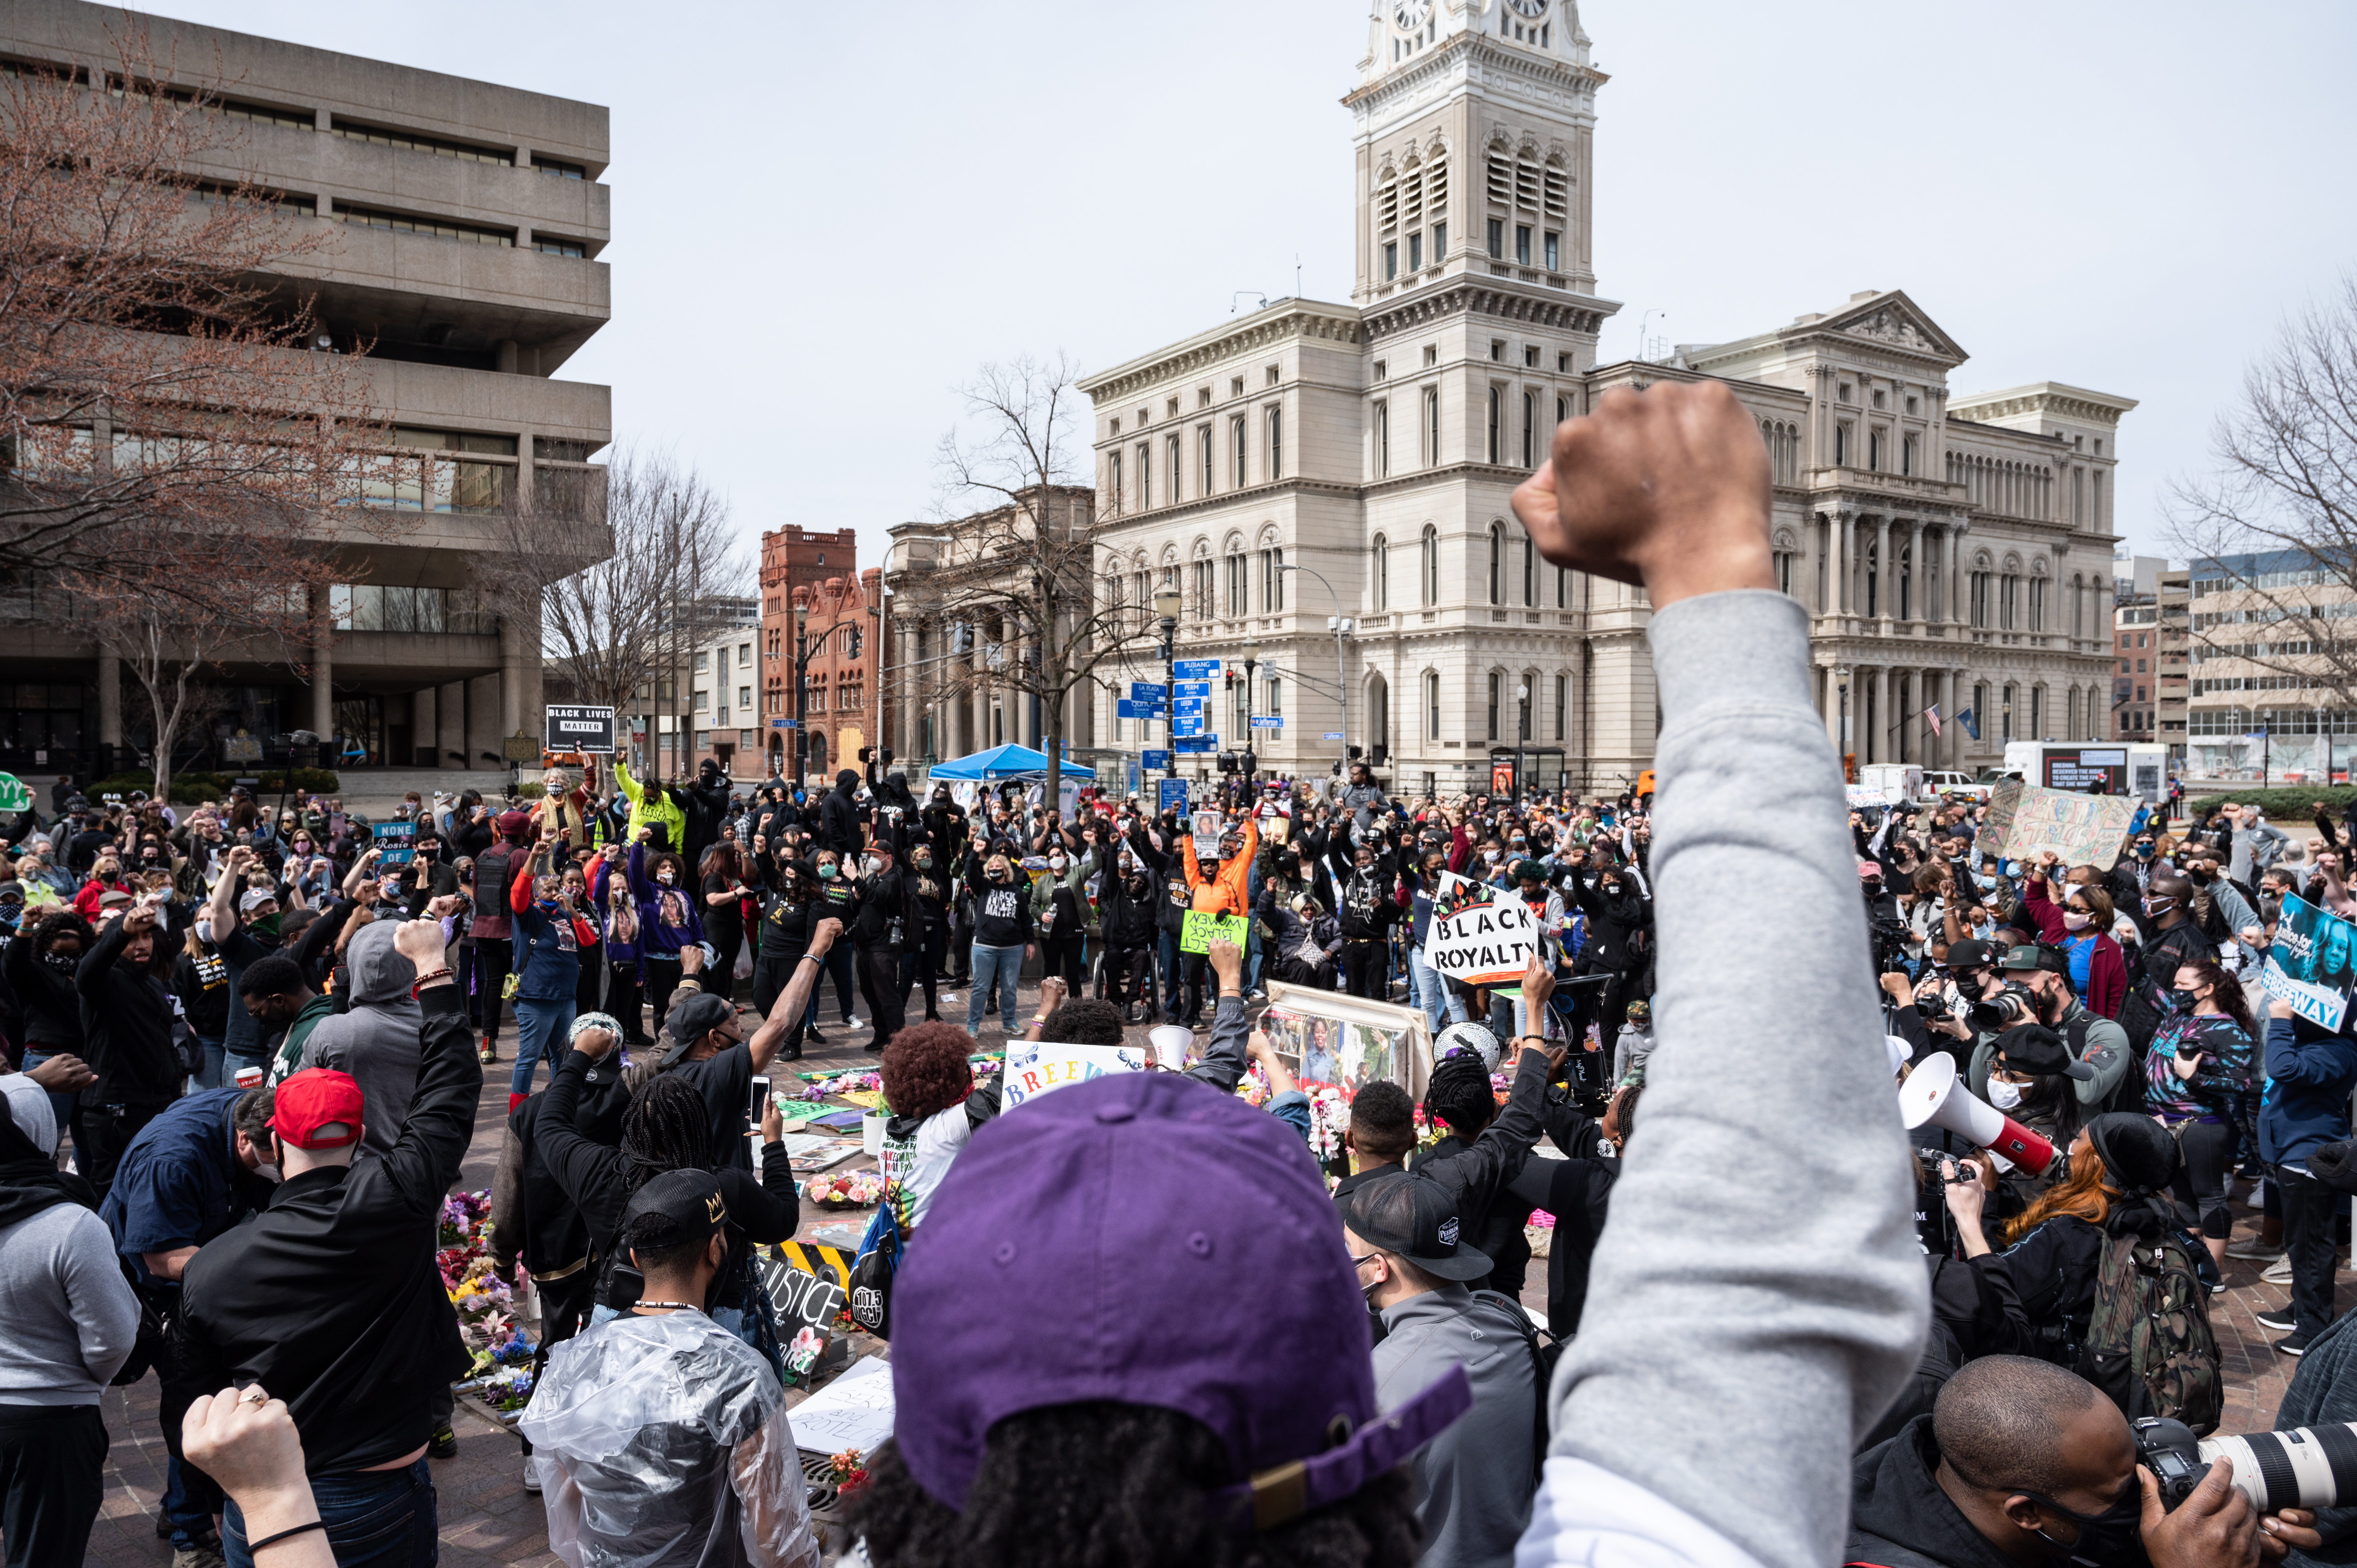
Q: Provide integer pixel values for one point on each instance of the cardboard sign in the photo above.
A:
(580, 729)
(397, 840)
(2082, 830)
(1034, 1066)
(1200, 928)
(798, 1299)
(1486, 937)
(1205, 826)
(1862, 795)
(2311, 963)
(853, 1412)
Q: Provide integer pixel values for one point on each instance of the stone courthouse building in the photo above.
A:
(1316, 469)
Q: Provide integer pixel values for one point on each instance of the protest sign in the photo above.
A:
(853, 1412)
(1198, 929)
(2082, 830)
(1478, 935)
(583, 729)
(1034, 1066)
(1205, 826)
(13, 794)
(799, 1299)
(2311, 963)
(1863, 796)
(396, 842)
(1327, 1037)
(2005, 799)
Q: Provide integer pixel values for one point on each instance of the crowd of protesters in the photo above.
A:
(1148, 1319)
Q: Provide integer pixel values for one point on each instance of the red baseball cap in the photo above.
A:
(316, 1098)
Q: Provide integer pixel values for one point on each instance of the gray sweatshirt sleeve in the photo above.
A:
(1770, 1314)
(1223, 1064)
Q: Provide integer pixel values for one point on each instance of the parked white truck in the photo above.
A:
(2141, 770)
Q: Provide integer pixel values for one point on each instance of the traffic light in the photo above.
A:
(1250, 763)
(1380, 756)
(856, 640)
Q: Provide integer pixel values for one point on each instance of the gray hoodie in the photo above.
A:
(376, 1040)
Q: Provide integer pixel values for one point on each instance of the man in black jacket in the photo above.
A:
(879, 933)
(126, 1021)
(332, 1300)
(2021, 1464)
(1367, 905)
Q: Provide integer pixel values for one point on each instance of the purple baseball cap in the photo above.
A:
(1143, 1239)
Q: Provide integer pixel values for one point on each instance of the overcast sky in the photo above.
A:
(826, 217)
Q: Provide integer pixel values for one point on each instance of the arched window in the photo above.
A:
(1431, 570)
(1379, 572)
(1497, 563)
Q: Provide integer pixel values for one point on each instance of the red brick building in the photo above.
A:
(843, 608)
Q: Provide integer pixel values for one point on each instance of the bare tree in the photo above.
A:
(151, 365)
(2276, 522)
(626, 580)
(1020, 559)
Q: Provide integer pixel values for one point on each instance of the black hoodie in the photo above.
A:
(1899, 1517)
(838, 816)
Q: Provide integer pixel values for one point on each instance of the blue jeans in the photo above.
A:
(190, 1500)
(209, 1075)
(1423, 984)
(375, 1518)
(62, 1105)
(1251, 957)
(542, 1025)
(1002, 965)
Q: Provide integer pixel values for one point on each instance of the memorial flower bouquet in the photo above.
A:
(849, 1189)
(847, 1470)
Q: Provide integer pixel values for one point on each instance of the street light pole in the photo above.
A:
(1251, 662)
(1167, 600)
(1340, 626)
(1522, 733)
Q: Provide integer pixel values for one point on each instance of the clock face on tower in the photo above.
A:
(1529, 9)
(1410, 15)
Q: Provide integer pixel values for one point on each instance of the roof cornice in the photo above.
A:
(1445, 56)
(2043, 397)
(1282, 322)
(1484, 296)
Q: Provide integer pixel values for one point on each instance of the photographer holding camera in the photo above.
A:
(2037, 991)
(2022, 1463)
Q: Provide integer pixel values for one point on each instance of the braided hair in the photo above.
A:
(1459, 1094)
(666, 1128)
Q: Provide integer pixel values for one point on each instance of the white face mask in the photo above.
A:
(1055, 862)
(2003, 1095)
(666, 877)
(871, 865)
(2074, 920)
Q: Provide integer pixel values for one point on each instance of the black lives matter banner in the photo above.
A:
(580, 729)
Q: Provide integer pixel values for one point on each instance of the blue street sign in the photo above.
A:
(781, 724)
(1190, 689)
(1145, 691)
(1123, 708)
(1155, 761)
(1173, 793)
(1185, 705)
(1196, 669)
(1191, 742)
(1333, 734)
(1187, 727)
(1267, 721)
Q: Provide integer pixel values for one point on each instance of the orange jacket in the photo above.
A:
(1223, 894)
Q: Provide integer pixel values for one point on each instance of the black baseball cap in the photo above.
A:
(2035, 1048)
(1970, 953)
(674, 1207)
(696, 1014)
(1415, 1217)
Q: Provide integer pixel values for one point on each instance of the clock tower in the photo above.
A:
(1474, 124)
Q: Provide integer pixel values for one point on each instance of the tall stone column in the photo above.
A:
(1885, 577)
(1959, 693)
(1877, 739)
(1841, 527)
(450, 725)
(422, 722)
(323, 665)
(1955, 572)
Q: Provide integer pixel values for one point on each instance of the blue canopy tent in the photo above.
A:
(1009, 761)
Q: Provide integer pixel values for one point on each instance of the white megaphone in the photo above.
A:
(1933, 1096)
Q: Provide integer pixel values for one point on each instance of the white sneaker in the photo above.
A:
(2279, 1272)
(851, 1023)
(531, 1477)
(2258, 1198)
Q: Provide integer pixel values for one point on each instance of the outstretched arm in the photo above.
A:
(1719, 1306)
(763, 1047)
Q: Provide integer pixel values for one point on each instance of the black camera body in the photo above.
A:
(2172, 1453)
(1890, 939)
(2013, 1005)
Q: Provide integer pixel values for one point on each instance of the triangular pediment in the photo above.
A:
(1892, 320)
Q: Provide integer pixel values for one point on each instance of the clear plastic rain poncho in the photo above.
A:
(663, 1443)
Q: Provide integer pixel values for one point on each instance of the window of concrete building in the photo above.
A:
(2038, 604)
(743, 656)
(1497, 563)
(703, 699)
(1496, 437)
(1271, 581)
(745, 696)
(1379, 572)
(1415, 251)
(1496, 350)
(1529, 571)
(1841, 445)
(1431, 354)
(1561, 706)
(1236, 446)
(1200, 592)
(1236, 386)
(1841, 392)
(551, 245)
(703, 661)
(1531, 356)
(1431, 706)
(1907, 455)
(1113, 479)
(1390, 264)
(2005, 718)
(1202, 397)
(2009, 602)
(1382, 369)
(1383, 439)
(1272, 375)
(1873, 441)
(1497, 686)
(445, 229)
(558, 167)
(1431, 427)
(1496, 239)
(1439, 244)
(1561, 588)
(1429, 570)
(1523, 244)
(1171, 443)
(1530, 426)
(1553, 250)
(1203, 452)
(1170, 407)
(1144, 475)
(1275, 706)
(411, 141)
(1276, 443)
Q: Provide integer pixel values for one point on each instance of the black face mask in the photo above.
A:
(63, 962)
(2106, 1538)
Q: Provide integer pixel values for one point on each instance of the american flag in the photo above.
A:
(1931, 717)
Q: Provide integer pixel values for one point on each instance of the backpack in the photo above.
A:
(2149, 1342)
(871, 1273)
(1543, 1361)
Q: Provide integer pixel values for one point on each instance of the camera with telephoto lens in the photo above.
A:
(2012, 1006)
(2306, 1468)
(1890, 939)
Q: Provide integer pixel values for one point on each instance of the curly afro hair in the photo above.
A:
(1459, 1095)
(1085, 1021)
(924, 1069)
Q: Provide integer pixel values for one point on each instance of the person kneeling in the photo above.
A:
(661, 1438)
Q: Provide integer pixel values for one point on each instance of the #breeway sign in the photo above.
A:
(1485, 938)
